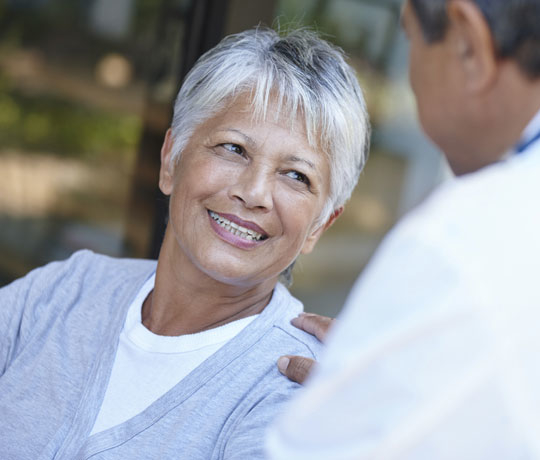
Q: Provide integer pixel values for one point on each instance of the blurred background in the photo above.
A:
(86, 95)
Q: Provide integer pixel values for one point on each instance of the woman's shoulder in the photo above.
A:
(87, 259)
(297, 342)
(71, 282)
(87, 265)
(290, 339)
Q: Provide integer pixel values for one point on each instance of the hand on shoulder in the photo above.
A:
(298, 368)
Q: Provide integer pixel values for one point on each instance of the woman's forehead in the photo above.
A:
(275, 110)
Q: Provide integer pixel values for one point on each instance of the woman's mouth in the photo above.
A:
(237, 230)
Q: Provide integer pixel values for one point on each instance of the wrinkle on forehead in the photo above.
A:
(279, 110)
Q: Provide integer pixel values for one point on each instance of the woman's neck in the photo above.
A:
(185, 300)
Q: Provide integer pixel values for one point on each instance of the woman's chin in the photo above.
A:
(237, 274)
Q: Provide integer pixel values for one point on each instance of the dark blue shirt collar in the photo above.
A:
(531, 134)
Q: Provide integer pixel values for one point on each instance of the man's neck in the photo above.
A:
(500, 120)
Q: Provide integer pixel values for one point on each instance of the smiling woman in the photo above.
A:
(178, 359)
(260, 175)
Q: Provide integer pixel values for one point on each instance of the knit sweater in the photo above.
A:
(59, 329)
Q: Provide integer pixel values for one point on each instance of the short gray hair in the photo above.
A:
(514, 25)
(305, 74)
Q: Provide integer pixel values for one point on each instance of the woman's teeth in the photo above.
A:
(236, 229)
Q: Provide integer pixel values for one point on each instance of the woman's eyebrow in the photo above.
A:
(248, 140)
(252, 144)
(295, 159)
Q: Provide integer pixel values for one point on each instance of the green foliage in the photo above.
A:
(65, 128)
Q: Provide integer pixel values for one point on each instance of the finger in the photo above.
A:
(313, 324)
(295, 368)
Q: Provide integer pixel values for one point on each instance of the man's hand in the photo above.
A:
(297, 368)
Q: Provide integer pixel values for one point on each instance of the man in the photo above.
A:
(436, 354)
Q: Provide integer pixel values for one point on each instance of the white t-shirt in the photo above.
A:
(148, 365)
(437, 352)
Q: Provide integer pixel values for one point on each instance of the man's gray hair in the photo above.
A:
(304, 75)
(514, 24)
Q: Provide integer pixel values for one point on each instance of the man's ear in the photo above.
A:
(309, 244)
(166, 171)
(473, 45)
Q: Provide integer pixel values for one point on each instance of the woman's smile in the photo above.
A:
(235, 231)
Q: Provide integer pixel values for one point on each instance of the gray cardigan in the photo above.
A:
(59, 328)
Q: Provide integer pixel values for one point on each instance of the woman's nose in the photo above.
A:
(254, 188)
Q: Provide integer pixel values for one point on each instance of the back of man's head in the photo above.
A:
(514, 24)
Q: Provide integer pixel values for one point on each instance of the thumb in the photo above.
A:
(295, 368)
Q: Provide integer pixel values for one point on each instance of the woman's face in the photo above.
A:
(244, 196)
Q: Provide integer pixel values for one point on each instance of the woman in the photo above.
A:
(104, 358)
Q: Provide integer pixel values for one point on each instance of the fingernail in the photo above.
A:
(295, 321)
(282, 364)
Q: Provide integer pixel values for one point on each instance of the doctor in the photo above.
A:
(436, 352)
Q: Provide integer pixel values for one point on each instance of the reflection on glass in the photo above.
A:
(72, 95)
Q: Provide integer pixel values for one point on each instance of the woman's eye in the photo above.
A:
(298, 176)
(233, 148)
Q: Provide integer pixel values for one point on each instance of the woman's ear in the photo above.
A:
(473, 45)
(166, 171)
(312, 239)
